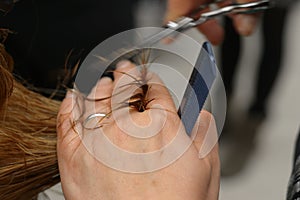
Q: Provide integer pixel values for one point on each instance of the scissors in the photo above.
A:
(179, 25)
(184, 23)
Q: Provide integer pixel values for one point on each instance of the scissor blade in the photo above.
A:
(171, 27)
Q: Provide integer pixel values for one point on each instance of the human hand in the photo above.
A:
(84, 175)
(244, 24)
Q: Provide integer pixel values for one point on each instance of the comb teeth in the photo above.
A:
(201, 80)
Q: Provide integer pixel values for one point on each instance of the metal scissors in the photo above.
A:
(180, 25)
(184, 23)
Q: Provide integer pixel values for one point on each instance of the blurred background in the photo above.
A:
(260, 167)
(267, 169)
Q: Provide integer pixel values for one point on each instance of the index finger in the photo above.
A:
(211, 29)
(245, 23)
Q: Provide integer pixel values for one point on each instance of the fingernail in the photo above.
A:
(70, 94)
(246, 24)
(105, 80)
(123, 64)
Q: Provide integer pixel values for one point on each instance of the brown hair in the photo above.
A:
(28, 162)
(28, 159)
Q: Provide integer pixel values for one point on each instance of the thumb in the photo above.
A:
(205, 134)
(245, 23)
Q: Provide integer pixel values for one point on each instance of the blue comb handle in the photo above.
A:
(201, 81)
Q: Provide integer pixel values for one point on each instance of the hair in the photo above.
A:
(28, 160)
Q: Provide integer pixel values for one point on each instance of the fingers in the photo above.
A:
(125, 68)
(97, 104)
(68, 113)
(126, 78)
(245, 24)
(102, 89)
(74, 109)
(64, 114)
(100, 96)
(159, 93)
(177, 8)
(206, 142)
(205, 134)
(213, 31)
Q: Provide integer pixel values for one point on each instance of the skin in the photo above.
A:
(84, 177)
(245, 24)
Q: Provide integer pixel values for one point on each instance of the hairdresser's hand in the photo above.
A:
(244, 24)
(83, 174)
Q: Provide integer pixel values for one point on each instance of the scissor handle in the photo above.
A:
(184, 23)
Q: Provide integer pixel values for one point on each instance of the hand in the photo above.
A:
(80, 151)
(244, 24)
